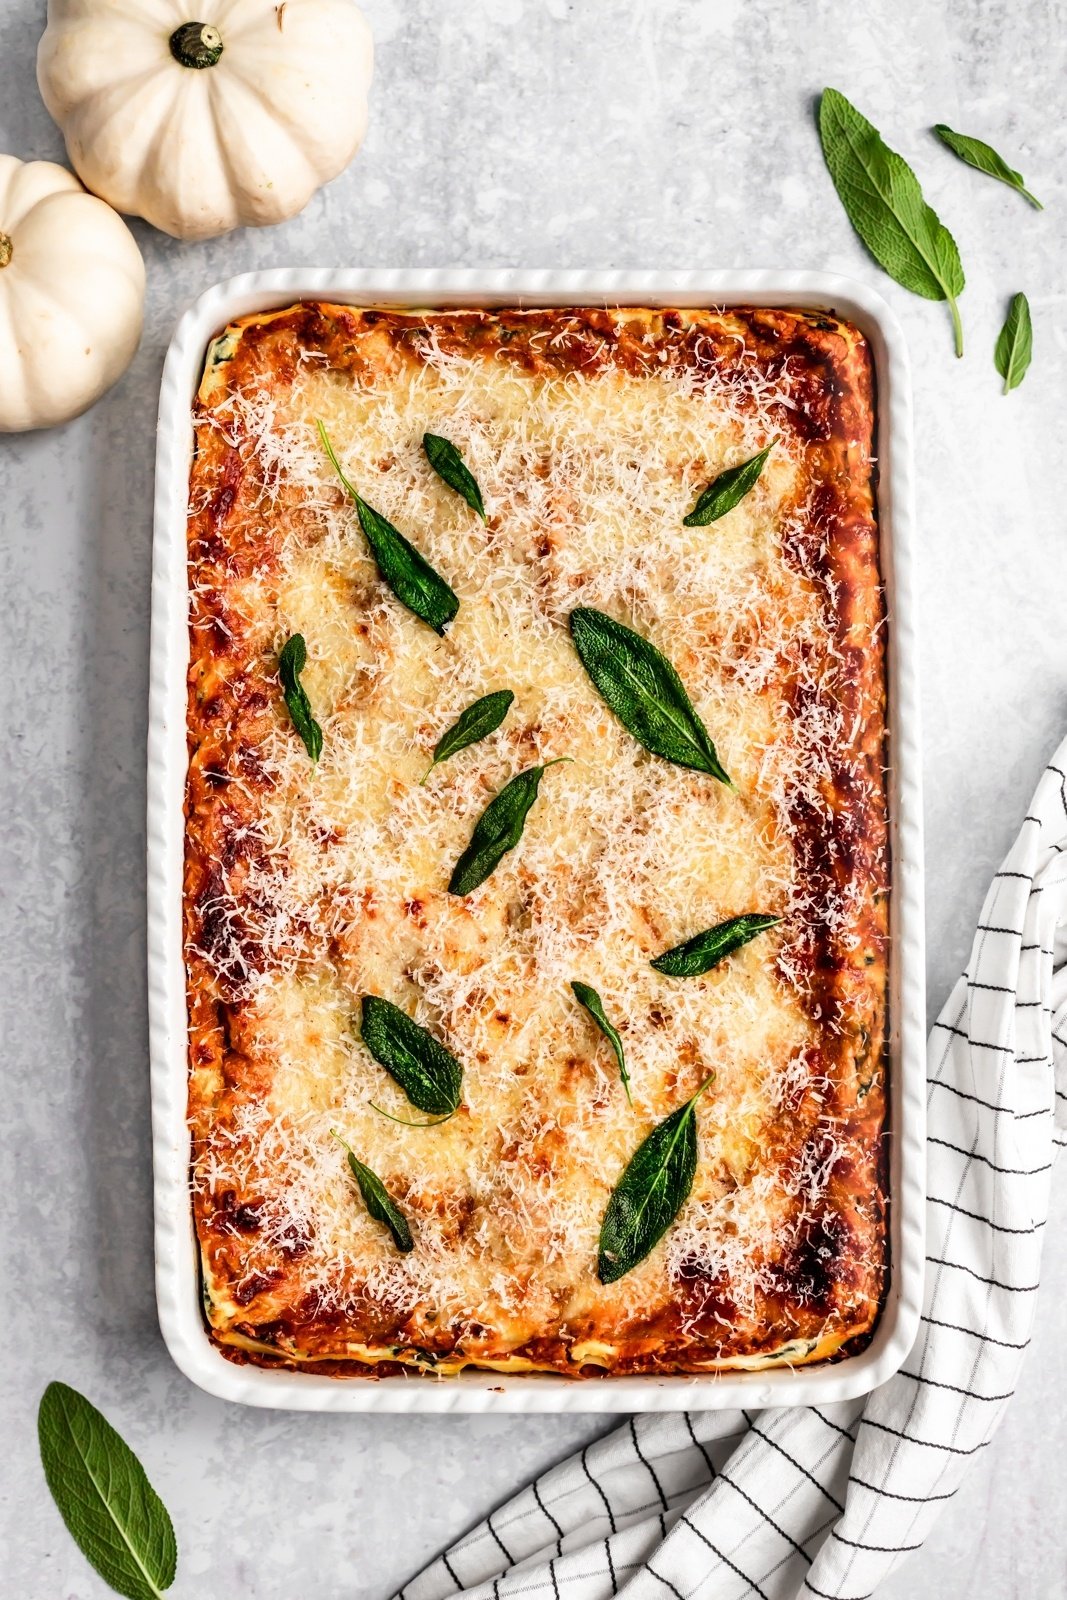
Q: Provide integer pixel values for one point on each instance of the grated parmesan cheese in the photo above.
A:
(335, 886)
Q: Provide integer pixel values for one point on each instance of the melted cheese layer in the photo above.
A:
(590, 435)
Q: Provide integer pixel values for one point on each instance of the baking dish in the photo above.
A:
(177, 1271)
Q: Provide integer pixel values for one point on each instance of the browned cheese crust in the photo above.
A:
(781, 1253)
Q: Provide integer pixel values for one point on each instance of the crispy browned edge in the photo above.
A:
(843, 1250)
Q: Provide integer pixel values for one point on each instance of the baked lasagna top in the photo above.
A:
(309, 885)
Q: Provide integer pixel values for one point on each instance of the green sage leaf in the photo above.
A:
(291, 662)
(983, 158)
(727, 490)
(644, 691)
(705, 950)
(449, 465)
(885, 205)
(429, 1075)
(480, 719)
(1015, 344)
(407, 572)
(587, 996)
(651, 1192)
(498, 829)
(378, 1201)
(111, 1510)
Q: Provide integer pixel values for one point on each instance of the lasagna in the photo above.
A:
(590, 433)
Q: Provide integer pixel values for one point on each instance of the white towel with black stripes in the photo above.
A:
(827, 1501)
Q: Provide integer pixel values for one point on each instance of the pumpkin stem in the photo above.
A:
(196, 44)
(6, 250)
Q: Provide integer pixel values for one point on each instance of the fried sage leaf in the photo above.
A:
(409, 575)
(429, 1075)
(587, 996)
(650, 1193)
(112, 1512)
(727, 490)
(1015, 344)
(480, 719)
(639, 684)
(449, 465)
(885, 205)
(976, 153)
(498, 829)
(291, 662)
(705, 950)
(377, 1199)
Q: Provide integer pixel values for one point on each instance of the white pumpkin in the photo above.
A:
(206, 115)
(71, 295)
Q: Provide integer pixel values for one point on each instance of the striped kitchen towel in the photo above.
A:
(827, 1501)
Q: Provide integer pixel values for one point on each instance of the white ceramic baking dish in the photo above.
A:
(177, 1268)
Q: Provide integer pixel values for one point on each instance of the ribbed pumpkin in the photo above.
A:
(71, 295)
(229, 117)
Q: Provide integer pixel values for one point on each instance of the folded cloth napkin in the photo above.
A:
(827, 1501)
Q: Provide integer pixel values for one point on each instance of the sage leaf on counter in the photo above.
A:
(377, 1199)
(407, 572)
(449, 465)
(1015, 344)
(111, 1510)
(429, 1075)
(727, 490)
(291, 662)
(705, 950)
(587, 996)
(498, 829)
(481, 718)
(983, 158)
(644, 691)
(651, 1192)
(885, 205)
